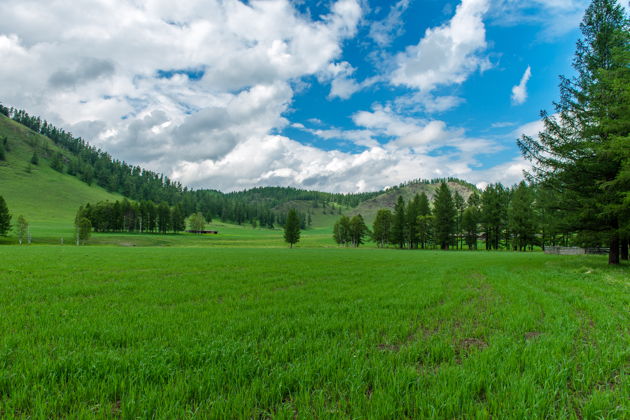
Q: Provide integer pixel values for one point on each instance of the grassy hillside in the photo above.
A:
(47, 199)
(321, 217)
(387, 200)
(311, 333)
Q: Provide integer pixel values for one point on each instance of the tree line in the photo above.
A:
(518, 218)
(127, 216)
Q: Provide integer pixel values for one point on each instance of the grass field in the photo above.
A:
(218, 332)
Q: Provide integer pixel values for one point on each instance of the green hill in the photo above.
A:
(387, 200)
(48, 199)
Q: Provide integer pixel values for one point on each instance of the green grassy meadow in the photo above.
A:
(48, 199)
(224, 332)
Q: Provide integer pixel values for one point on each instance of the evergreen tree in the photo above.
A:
(5, 218)
(178, 220)
(382, 227)
(522, 218)
(35, 158)
(163, 217)
(460, 206)
(57, 162)
(411, 227)
(3, 155)
(444, 213)
(579, 154)
(494, 201)
(470, 221)
(399, 222)
(292, 228)
(21, 228)
(424, 221)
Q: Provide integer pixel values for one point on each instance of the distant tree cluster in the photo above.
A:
(128, 216)
(278, 195)
(350, 231)
(499, 217)
(304, 219)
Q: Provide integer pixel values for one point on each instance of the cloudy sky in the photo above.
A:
(345, 95)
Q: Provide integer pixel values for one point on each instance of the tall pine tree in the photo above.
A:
(382, 227)
(424, 221)
(522, 219)
(575, 154)
(399, 222)
(292, 228)
(444, 213)
(5, 217)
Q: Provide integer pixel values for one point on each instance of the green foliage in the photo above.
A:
(163, 217)
(341, 231)
(5, 217)
(197, 222)
(292, 228)
(522, 220)
(21, 228)
(494, 213)
(471, 219)
(84, 230)
(358, 230)
(411, 226)
(470, 223)
(399, 223)
(424, 221)
(35, 158)
(444, 216)
(382, 227)
(178, 219)
(576, 154)
(3, 155)
(460, 206)
(57, 162)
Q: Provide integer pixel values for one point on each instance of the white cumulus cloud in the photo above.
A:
(159, 83)
(447, 54)
(199, 89)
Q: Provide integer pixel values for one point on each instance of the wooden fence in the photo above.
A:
(574, 250)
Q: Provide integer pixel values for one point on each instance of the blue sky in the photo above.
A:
(346, 95)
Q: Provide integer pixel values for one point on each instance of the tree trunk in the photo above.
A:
(613, 254)
(624, 248)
